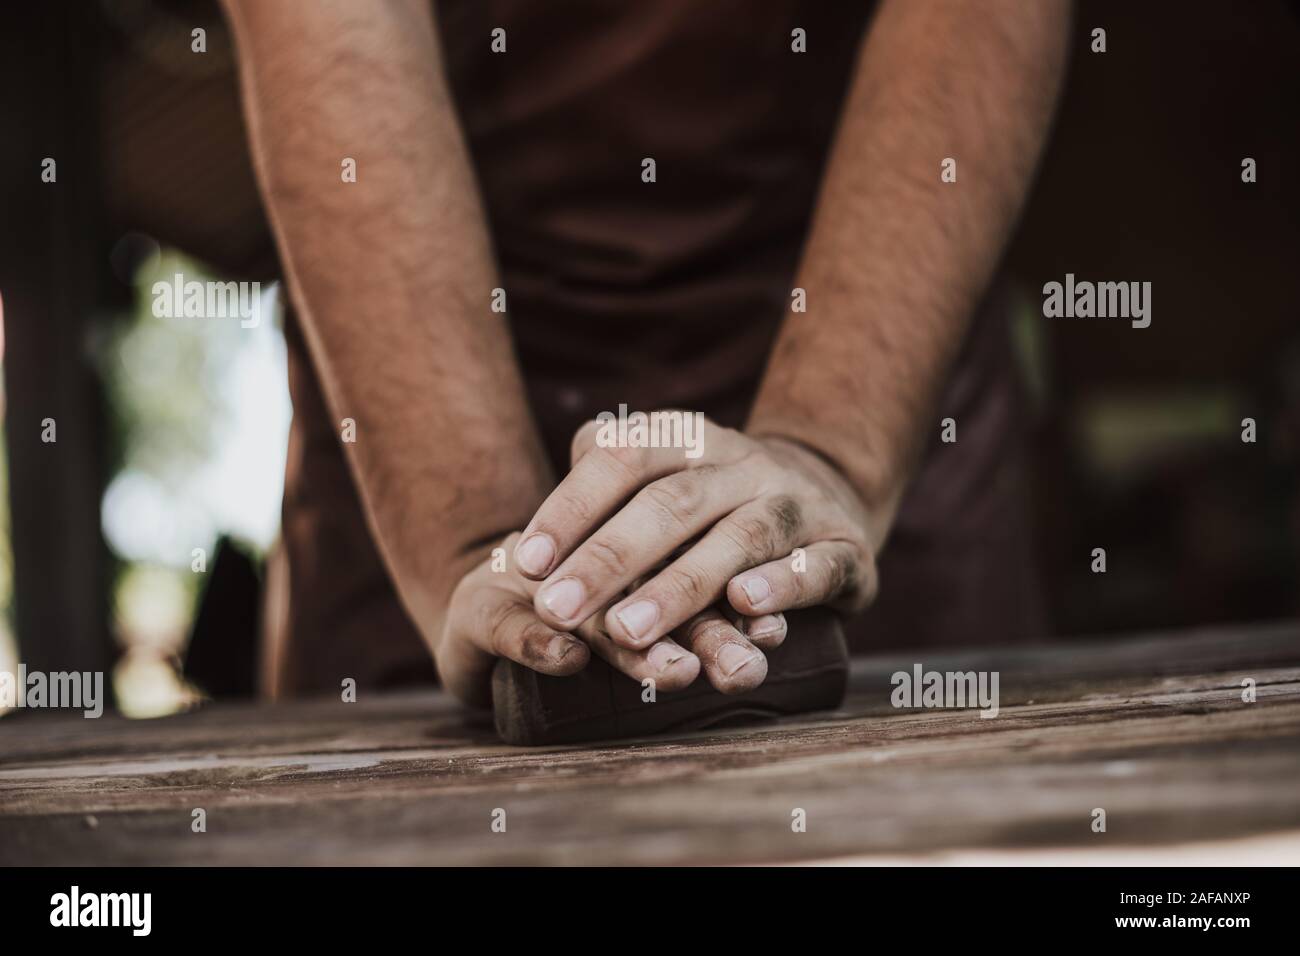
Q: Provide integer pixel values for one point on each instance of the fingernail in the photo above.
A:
(559, 647)
(756, 589)
(535, 553)
(638, 618)
(563, 598)
(732, 657)
(663, 656)
(767, 624)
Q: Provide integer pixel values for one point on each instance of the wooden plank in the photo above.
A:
(1172, 757)
(1271, 849)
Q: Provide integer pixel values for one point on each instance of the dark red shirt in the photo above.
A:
(661, 294)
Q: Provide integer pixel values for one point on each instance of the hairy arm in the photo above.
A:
(392, 276)
(895, 265)
(897, 259)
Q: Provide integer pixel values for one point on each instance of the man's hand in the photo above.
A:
(491, 615)
(741, 509)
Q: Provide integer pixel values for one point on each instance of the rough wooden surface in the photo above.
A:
(1153, 730)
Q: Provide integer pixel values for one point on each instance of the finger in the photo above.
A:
(599, 483)
(584, 440)
(766, 632)
(669, 665)
(826, 572)
(750, 536)
(661, 517)
(732, 664)
(498, 623)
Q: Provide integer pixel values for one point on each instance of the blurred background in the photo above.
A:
(171, 433)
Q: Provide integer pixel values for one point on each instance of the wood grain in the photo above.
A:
(1153, 729)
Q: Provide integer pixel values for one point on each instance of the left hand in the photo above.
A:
(743, 506)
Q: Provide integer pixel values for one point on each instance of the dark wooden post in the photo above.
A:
(55, 279)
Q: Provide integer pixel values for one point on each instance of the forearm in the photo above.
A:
(897, 259)
(392, 277)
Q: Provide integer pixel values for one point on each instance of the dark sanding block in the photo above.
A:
(808, 672)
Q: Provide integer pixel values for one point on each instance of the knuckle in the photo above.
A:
(851, 578)
(669, 510)
(607, 554)
(532, 643)
(564, 510)
(708, 629)
(755, 536)
(751, 536)
(694, 586)
(627, 460)
(841, 572)
(787, 516)
(576, 509)
(496, 620)
(677, 500)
